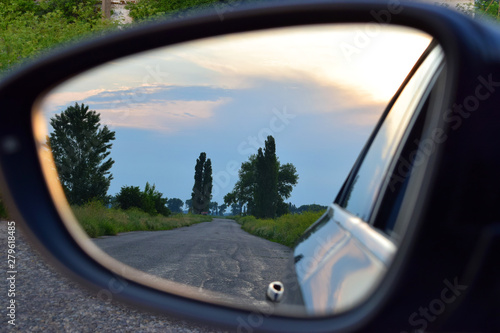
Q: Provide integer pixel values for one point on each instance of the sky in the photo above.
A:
(318, 90)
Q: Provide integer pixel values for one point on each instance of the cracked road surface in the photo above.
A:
(215, 256)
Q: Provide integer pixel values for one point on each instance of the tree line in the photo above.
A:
(81, 147)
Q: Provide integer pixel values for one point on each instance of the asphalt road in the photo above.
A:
(49, 301)
(216, 256)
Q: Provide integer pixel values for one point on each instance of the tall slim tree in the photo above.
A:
(202, 189)
(81, 148)
(207, 185)
(197, 205)
(266, 189)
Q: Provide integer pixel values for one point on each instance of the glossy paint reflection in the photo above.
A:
(339, 261)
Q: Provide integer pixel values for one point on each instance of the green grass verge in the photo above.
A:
(98, 220)
(285, 229)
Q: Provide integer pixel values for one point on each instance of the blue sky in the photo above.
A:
(318, 90)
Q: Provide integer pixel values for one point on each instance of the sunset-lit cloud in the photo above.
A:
(158, 108)
(315, 55)
(170, 116)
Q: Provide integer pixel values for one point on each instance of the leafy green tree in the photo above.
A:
(311, 208)
(175, 205)
(236, 209)
(214, 208)
(81, 148)
(264, 183)
(244, 188)
(222, 209)
(202, 189)
(189, 204)
(231, 198)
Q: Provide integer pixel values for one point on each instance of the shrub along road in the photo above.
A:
(212, 256)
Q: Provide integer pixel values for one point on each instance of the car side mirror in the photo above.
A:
(351, 263)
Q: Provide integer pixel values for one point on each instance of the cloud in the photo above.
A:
(153, 107)
(309, 54)
(167, 116)
(56, 99)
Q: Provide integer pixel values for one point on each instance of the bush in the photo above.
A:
(154, 202)
(129, 196)
(150, 200)
(28, 28)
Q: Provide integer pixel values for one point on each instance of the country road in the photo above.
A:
(215, 256)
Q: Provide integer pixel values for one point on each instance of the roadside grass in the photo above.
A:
(98, 220)
(285, 229)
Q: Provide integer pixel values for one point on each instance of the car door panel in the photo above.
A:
(345, 252)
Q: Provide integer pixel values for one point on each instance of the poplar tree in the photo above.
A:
(202, 189)
(207, 185)
(266, 189)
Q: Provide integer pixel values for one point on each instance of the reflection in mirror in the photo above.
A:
(201, 164)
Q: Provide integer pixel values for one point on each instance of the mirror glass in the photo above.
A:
(198, 166)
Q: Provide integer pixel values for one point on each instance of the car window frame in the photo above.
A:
(382, 186)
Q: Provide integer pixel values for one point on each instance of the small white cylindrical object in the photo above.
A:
(275, 291)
